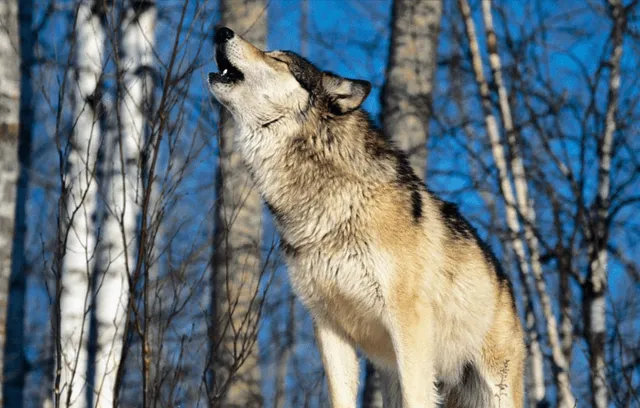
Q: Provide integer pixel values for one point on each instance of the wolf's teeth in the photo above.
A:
(224, 72)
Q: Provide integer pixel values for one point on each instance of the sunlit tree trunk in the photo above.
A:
(237, 260)
(80, 202)
(9, 165)
(406, 97)
(14, 367)
(406, 101)
(518, 201)
(525, 207)
(124, 181)
(596, 283)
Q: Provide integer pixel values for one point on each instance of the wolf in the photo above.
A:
(380, 262)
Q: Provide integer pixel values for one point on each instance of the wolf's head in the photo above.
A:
(264, 89)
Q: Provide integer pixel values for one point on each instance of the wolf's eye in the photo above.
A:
(278, 59)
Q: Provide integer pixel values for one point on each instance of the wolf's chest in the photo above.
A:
(348, 293)
(330, 283)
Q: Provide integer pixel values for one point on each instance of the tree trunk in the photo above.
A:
(124, 182)
(518, 200)
(80, 202)
(14, 367)
(9, 166)
(525, 207)
(406, 100)
(237, 259)
(406, 97)
(596, 283)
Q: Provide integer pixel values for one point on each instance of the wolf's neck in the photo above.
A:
(307, 184)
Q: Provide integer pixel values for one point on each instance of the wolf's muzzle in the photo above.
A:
(223, 34)
(229, 73)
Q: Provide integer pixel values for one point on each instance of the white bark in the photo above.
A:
(238, 238)
(80, 203)
(9, 166)
(14, 358)
(124, 181)
(594, 295)
(406, 102)
(525, 207)
(513, 223)
(536, 389)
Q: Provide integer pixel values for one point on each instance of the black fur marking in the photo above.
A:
(459, 227)
(334, 109)
(454, 222)
(271, 122)
(273, 210)
(329, 139)
(382, 148)
(304, 72)
(405, 172)
(287, 249)
(408, 178)
(416, 204)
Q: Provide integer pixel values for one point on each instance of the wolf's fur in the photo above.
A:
(380, 262)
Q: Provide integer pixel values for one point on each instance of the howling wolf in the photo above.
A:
(380, 262)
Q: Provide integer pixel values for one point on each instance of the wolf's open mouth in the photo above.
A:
(228, 74)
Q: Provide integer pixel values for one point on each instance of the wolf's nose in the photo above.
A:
(223, 34)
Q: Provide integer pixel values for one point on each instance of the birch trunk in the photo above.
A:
(596, 284)
(14, 367)
(525, 207)
(124, 181)
(406, 97)
(237, 259)
(80, 203)
(9, 166)
(536, 389)
(406, 101)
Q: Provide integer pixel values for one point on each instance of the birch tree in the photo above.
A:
(9, 166)
(14, 354)
(238, 235)
(526, 210)
(596, 282)
(406, 99)
(80, 206)
(123, 179)
(518, 202)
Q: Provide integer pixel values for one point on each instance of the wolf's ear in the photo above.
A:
(345, 94)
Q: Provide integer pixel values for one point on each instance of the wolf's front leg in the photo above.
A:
(412, 340)
(340, 365)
